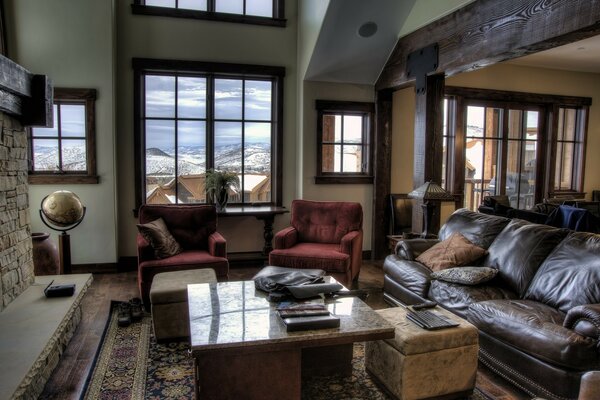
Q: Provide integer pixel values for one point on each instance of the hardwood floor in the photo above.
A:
(68, 379)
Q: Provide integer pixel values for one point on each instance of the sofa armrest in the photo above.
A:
(349, 241)
(144, 250)
(285, 238)
(590, 386)
(410, 249)
(585, 320)
(217, 245)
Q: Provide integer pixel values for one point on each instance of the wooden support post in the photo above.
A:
(64, 249)
(429, 113)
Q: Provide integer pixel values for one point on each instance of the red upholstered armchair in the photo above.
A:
(323, 234)
(195, 229)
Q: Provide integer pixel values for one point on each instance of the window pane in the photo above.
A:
(161, 3)
(228, 146)
(257, 104)
(532, 125)
(353, 125)
(45, 155)
(48, 131)
(338, 129)
(528, 175)
(337, 158)
(567, 166)
(72, 120)
(352, 159)
(329, 128)
(558, 166)
(570, 122)
(514, 124)
(475, 121)
(444, 161)
(193, 4)
(191, 97)
(257, 148)
(493, 122)
(160, 162)
(327, 158)
(230, 6)
(228, 99)
(73, 155)
(262, 8)
(160, 96)
(191, 148)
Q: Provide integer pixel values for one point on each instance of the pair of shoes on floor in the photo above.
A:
(130, 311)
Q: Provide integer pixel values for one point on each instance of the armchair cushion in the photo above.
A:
(157, 234)
(452, 252)
(311, 255)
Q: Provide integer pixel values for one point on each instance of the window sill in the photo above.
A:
(343, 179)
(40, 179)
(141, 9)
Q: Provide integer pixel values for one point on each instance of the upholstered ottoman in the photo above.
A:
(168, 296)
(422, 364)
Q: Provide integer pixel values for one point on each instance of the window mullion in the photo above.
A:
(243, 147)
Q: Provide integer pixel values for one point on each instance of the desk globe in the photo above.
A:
(62, 211)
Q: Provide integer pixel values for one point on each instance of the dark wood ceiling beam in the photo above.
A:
(489, 31)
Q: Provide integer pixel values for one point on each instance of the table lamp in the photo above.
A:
(426, 193)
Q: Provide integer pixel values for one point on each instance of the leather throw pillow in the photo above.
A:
(157, 234)
(466, 275)
(455, 251)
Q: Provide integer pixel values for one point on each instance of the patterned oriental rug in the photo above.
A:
(130, 365)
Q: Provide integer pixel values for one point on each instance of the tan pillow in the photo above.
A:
(452, 252)
(157, 234)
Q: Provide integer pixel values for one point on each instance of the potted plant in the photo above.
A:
(218, 184)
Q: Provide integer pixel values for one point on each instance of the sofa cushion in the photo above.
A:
(480, 229)
(311, 255)
(535, 329)
(325, 221)
(458, 298)
(157, 234)
(570, 276)
(413, 275)
(452, 252)
(519, 250)
(466, 275)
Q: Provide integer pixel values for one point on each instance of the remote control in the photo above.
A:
(424, 305)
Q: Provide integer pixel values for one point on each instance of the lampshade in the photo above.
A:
(431, 191)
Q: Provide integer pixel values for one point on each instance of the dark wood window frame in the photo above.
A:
(87, 97)
(549, 106)
(278, 19)
(364, 109)
(143, 66)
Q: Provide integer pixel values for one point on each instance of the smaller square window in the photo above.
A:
(345, 132)
(65, 152)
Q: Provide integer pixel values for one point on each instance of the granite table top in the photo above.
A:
(236, 316)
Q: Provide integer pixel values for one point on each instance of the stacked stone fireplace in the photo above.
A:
(16, 262)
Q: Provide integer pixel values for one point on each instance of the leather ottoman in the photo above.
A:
(422, 364)
(169, 304)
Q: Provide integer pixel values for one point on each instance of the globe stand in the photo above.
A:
(64, 241)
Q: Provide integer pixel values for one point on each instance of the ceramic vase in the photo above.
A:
(45, 255)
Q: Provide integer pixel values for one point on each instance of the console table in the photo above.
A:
(265, 213)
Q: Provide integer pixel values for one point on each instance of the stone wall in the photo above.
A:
(16, 262)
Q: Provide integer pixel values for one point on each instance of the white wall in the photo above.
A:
(362, 194)
(188, 39)
(71, 41)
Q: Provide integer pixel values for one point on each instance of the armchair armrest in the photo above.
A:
(410, 249)
(217, 245)
(585, 320)
(349, 241)
(285, 238)
(144, 250)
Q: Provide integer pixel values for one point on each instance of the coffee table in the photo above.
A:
(241, 348)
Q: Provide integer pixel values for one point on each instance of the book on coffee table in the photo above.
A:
(293, 309)
(310, 323)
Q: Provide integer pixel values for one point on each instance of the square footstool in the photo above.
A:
(422, 364)
(169, 305)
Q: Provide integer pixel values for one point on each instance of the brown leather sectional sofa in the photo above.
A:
(539, 318)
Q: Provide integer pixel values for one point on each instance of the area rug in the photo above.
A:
(130, 365)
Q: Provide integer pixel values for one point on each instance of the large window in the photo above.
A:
(521, 145)
(65, 153)
(262, 12)
(344, 136)
(196, 118)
